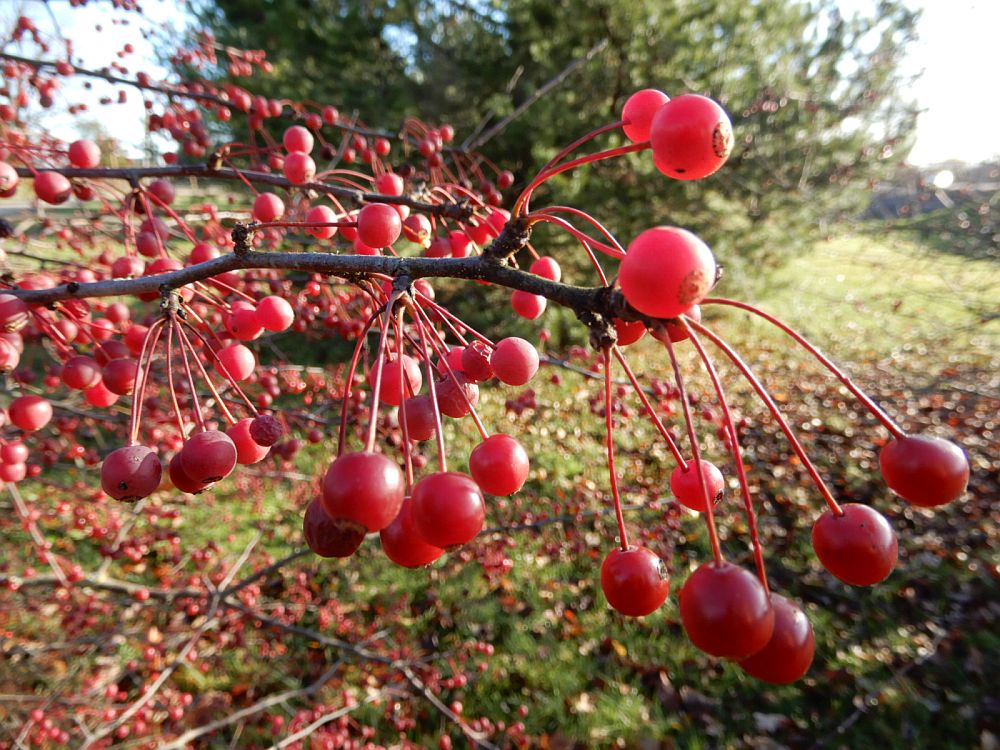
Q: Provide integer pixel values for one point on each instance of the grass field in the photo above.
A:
(906, 664)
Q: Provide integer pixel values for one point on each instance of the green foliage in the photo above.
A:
(815, 98)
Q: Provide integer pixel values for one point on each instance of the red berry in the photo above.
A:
(725, 611)
(666, 271)
(321, 215)
(266, 430)
(180, 480)
(208, 456)
(52, 187)
(119, 375)
(638, 113)
(448, 509)
(163, 190)
(131, 473)
(514, 361)
(80, 373)
(275, 313)
(392, 388)
(14, 453)
(403, 544)
(327, 537)
(389, 183)
(691, 137)
(476, 362)
(686, 488)
(297, 138)
(419, 417)
(547, 268)
(629, 331)
(527, 305)
(268, 207)
(456, 396)
(859, 547)
(364, 488)
(84, 154)
(675, 331)
(299, 167)
(236, 360)
(14, 313)
(634, 581)
(925, 471)
(379, 225)
(787, 656)
(248, 450)
(29, 412)
(499, 465)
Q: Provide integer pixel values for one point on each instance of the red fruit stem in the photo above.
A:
(407, 457)
(303, 224)
(438, 431)
(887, 421)
(619, 251)
(664, 433)
(217, 361)
(584, 240)
(447, 316)
(609, 444)
(170, 376)
(525, 197)
(580, 141)
(440, 351)
(149, 342)
(195, 403)
(695, 452)
(204, 373)
(349, 381)
(773, 408)
(737, 453)
(380, 357)
(171, 213)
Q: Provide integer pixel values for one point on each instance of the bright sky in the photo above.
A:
(958, 52)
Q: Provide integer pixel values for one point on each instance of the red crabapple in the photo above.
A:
(691, 137)
(666, 271)
(634, 581)
(924, 471)
(859, 547)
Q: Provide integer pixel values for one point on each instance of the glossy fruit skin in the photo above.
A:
(666, 271)
(514, 361)
(691, 137)
(725, 611)
(180, 480)
(403, 544)
(687, 489)
(321, 215)
(476, 362)
(299, 167)
(528, 306)
(118, 375)
(275, 313)
(208, 456)
(366, 488)
(81, 372)
(29, 413)
(925, 471)
(327, 537)
(634, 581)
(379, 225)
(788, 655)
(237, 360)
(248, 450)
(268, 207)
(52, 187)
(14, 313)
(84, 154)
(629, 331)
(14, 453)
(638, 113)
(858, 547)
(393, 374)
(499, 465)
(131, 473)
(297, 138)
(448, 509)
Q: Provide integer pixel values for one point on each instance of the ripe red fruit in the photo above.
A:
(180, 480)
(419, 417)
(8, 179)
(725, 611)
(676, 332)
(163, 190)
(666, 271)
(417, 228)
(208, 456)
(268, 207)
(787, 656)
(629, 331)
(118, 375)
(925, 471)
(499, 465)
(248, 450)
(393, 373)
(244, 324)
(275, 313)
(14, 313)
(131, 473)
(321, 215)
(297, 138)
(448, 509)
(379, 225)
(29, 412)
(686, 488)
(527, 305)
(14, 453)
(505, 179)
(858, 547)
(389, 183)
(52, 187)
(100, 396)
(80, 373)
(476, 362)
(514, 361)
(460, 243)
(327, 537)
(13, 472)
(634, 581)
(547, 268)
(9, 356)
(638, 113)
(403, 544)
(299, 167)
(236, 360)
(456, 396)
(84, 154)
(691, 137)
(363, 488)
